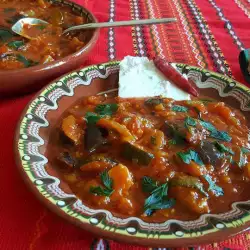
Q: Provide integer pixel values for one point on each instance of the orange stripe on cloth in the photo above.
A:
(178, 46)
(162, 34)
(205, 37)
(225, 37)
(154, 30)
(190, 34)
(137, 32)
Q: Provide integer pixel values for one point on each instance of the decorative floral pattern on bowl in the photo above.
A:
(32, 162)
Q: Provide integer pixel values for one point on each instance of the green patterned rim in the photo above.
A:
(32, 163)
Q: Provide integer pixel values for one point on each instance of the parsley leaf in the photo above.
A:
(100, 191)
(178, 108)
(221, 135)
(107, 182)
(158, 198)
(27, 63)
(41, 26)
(208, 126)
(242, 161)
(172, 142)
(5, 35)
(218, 191)
(106, 109)
(189, 121)
(92, 118)
(223, 149)
(189, 156)
(15, 44)
(163, 204)
(148, 184)
(245, 150)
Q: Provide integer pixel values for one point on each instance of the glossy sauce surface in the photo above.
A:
(156, 159)
(49, 45)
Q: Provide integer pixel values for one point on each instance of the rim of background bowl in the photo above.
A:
(66, 58)
(218, 236)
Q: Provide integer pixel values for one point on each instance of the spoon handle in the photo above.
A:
(120, 24)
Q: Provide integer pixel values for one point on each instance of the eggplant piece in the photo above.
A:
(189, 182)
(136, 154)
(175, 131)
(153, 101)
(67, 159)
(94, 137)
(64, 140)
(99, 157)
(209, 153)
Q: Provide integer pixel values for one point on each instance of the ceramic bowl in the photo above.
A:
(30, 79)
(40, 118)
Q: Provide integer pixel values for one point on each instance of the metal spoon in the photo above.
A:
(18, 26)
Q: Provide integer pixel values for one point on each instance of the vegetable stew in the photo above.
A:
(154, 158)
(49, 44)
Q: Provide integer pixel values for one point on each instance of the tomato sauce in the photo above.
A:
(48, 44)
(154, 158)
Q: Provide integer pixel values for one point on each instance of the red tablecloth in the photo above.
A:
(209, 33)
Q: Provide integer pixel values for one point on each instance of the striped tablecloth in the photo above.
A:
(209, 34)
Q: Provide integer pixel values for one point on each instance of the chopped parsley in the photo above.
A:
(223, 149)
(41, 26)
(245, 150)
(148, 184)
(101, 110)
(15, 44)
(218, 191)
(5, 35)
(27, 62)
(178, 108)
(107, 182)
(92, 118)
(106, 109)
(158, 199)
(220, 135)
(189, 121)
(189, 156)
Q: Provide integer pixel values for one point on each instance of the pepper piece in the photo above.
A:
(174, 76)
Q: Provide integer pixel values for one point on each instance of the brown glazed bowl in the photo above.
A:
(38, 123)
(30, 79)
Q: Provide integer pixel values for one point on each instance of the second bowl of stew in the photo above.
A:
(28, 64)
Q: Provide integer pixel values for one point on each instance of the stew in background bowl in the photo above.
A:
(32, 62)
